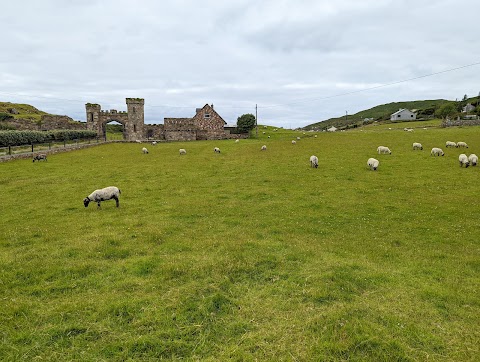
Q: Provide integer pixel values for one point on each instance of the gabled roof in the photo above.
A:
(210, 109)
(400, 111)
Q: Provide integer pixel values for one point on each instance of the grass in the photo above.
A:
(244, 255)
(25, 111)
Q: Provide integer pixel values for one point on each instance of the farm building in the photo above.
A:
(403, 115)
(468, 108)
(332, 129)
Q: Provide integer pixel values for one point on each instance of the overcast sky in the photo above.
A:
(301, 61)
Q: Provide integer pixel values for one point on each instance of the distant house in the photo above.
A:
(403, 115)
(468, 108)
(332, 129)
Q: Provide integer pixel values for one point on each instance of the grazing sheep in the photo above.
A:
(462, 144)
(182, 151)
(268, 136)
(237, 140)
(144, 150)
(417, 146)
(373, 163)
(473, 159)
(437, 152)
(263, 132)
(154, 143)
(264, 148)
(216, 150)
(138, 141)
(450, 144)
(383, 149)
(315, 136)
(314, 161)
(107, 193)
(463, 159)
(298, 138)
(39, 157)
(294, 142)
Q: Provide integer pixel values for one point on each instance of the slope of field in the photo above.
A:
(244, 255)
(25, 111)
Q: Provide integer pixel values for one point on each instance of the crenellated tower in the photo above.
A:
(135, 125)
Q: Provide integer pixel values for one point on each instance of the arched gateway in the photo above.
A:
(132, 120)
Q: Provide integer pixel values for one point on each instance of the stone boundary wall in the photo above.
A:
(47, 123)
(450, 123)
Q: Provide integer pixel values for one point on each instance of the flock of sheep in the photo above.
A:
(373, 163)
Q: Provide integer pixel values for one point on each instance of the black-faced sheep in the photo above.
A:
(450, 144)
(107, 193)
(462, 144)
(144, 150)
(314, 161)
(40, 157)
(182, 151)
(383, 149)
(216, 150)
(417, 146)
(373, 163)
(436, 152)
(463, 159)
(264, 148)
(473, 159)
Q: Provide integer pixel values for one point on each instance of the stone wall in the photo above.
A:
(47, 123)
(181, 135)
(154, 131)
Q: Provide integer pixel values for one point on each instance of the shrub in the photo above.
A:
(17, 138)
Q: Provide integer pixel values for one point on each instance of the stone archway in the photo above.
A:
(132, 120)
(104, 127)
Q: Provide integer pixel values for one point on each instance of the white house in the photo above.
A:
(468, 108)
(332, 129)
(403, 115)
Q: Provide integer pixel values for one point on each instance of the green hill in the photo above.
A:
(425, 110)
(24, 111)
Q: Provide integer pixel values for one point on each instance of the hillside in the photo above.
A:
(426, 109)
(24, 111)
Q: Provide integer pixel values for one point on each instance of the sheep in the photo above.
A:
(462, 144)
(107, 193)
(417, 146)
(216, 150)
(182, 151)
(264, 148)
(39, 157)
(450, 144)
(144, 150)
(237, 140)
(294, 142)
(154, 143)
(268, 136)
(463, 159)
(298, 138)
(315, 136)
(373, 163)
(437, 152)
(314, 161)
(473, 159)
(138, 141)
(383, 149)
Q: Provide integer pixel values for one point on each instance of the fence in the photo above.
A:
(39, 147)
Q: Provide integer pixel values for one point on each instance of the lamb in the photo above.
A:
(104, 194)
(144, 150)
(39, 157)
(463, 159)
(264, 148)
(182, 151)
(373, 164)
(417, 146)
(462, 144)
(216, 150)
(294, 142)
(314, 161)
(437, 152)
(473, 159)
(383, 149)
(450, 144)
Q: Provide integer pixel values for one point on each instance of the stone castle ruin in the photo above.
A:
(206, 124)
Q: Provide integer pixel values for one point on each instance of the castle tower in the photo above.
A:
(93, 117)
(135, 124)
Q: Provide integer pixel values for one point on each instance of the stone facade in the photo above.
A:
(132, 120)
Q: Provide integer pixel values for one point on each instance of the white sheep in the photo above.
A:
(216, 150)
(373, 163)
(268, 137)
(462, 144)
(417, 146)
(237, 140)
(294, 142)
(383, 149)
(437, 152)
(298, 138)
(463, 159)
(314, 161)
(144, 150)
(154, 143)
(315, 136)
(450, 144)
(39, 157)
(473, 159)
(264, 148)
(138, 141)
(104, 194)
(182, 151)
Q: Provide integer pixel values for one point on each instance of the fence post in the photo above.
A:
(10, 150)
(64, 143)
(32, 147)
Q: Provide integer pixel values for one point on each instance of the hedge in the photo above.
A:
(18, 138)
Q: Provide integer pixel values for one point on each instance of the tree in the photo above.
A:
(447, 110)
(245, 122)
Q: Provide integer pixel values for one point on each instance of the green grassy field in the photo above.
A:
(244, 255)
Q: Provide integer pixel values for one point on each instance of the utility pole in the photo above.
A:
(256, 122)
